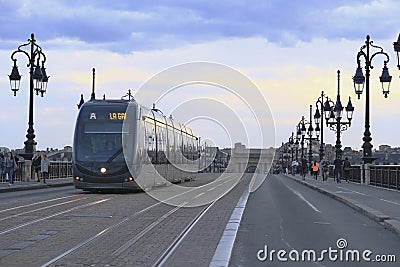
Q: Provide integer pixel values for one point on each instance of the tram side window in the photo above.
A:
(190, 148)
(196, 149)
(160, 138)
(184, 147)
(178, 146)
(162, 144)
(150, 141)
(171, 144)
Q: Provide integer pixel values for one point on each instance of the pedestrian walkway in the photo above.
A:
(380, 204)
(19, 186)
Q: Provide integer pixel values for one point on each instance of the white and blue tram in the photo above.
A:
(112, 148)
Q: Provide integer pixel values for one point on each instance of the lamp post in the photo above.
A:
(285, 161)
(396, 46)
(322, 101)
(296, 146)
(333, 116)
(38, 83)
(301, 132)
(359, 79)
(310, 132)
(291, 146)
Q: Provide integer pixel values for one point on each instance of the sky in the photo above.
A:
(290, 51)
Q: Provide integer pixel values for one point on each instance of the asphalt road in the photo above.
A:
(285, 215)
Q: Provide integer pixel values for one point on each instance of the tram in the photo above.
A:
(112, 148)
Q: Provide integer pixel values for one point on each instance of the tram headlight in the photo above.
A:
(129, 179)
(103, 170)
(77, 178)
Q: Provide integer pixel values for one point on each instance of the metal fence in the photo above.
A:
(57, 169)
(355, 174)
(60, 169)
(18, 174)
(380, 175)
(385, 176)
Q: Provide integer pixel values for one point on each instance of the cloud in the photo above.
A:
(125, 26)
(291, 52)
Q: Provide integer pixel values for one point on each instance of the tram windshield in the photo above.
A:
(98, 136)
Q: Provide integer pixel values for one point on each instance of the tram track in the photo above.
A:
(146, 230)
(178, 240)
(108, 236)
(40, 209)
(51, 216)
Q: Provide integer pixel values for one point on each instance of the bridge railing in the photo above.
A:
(379, 175)
(57, 169)
(60, 169)
(385, 176)
(18, 173)
(355, 174)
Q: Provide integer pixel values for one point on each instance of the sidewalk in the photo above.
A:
(19, 186)
(380, 204)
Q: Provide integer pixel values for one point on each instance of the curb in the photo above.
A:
(389, 223)
(32, 187)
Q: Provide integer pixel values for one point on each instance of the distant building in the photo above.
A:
(384, 148)
(60, 155)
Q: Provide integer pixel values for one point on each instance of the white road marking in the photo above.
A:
(224, 249)
(351, 191)
(389, 201)
(36, 203)
(199, 195)
(304, 199)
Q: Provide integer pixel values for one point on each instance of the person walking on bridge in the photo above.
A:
(2, 167)
(304, 167)
(337, 164)
(346, 169)
(44, 167)
(325, 169)
(315, 169)
(36, 162)
(9, 163)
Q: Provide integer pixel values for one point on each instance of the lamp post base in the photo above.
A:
(26, 156)
(367, 160)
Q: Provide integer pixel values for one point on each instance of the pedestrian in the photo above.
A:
(337, 164)
(1, 167)
(294, 165)
(304, 168)
(325, 169)
(346, 169)
(16, 167)
(315, 168)
(10, 165)
(44, 167)
(36, 162)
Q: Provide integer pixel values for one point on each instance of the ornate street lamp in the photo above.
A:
(359, 81)
(396, 46)
(334, 121)
(291, 146)
(38, 83)
(310, 132)
(301, 132)
(323, 100)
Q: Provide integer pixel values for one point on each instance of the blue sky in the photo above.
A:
(291, 50)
